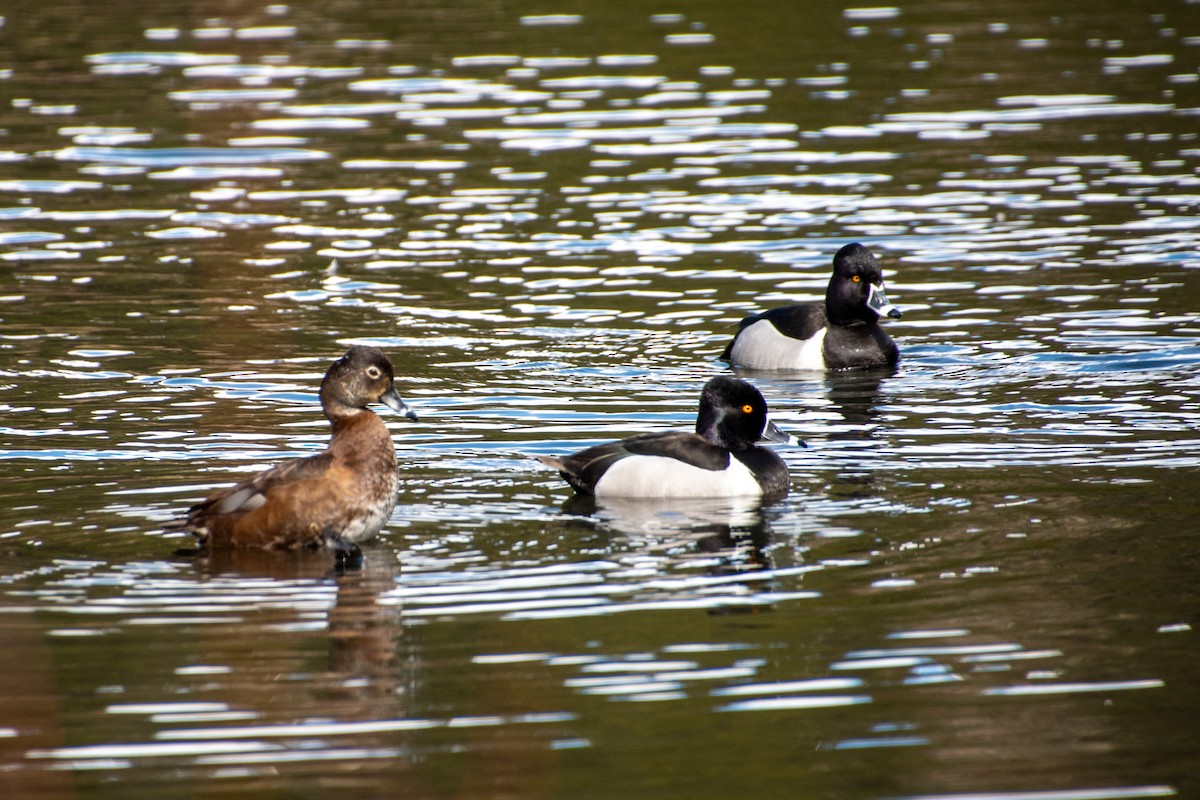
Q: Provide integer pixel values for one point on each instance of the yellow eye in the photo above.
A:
(855, 278)
(748, 409)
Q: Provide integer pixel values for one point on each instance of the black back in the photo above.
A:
(584, 469)
(800, 322)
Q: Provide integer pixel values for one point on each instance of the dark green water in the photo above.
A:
(552, 217)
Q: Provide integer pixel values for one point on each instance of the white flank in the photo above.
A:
(659, 476)
(367, 527)
(762, 346)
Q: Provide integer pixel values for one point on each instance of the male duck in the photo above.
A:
(721, 459)
(842, 334)
(332, 499)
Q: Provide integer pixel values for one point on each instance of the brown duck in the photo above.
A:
(333, 499)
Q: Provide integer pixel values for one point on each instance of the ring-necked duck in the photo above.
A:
(842, 334)
(332, 499)
(721, 459)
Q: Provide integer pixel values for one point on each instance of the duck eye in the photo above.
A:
(855, 278)
(748, 409)
(373, 372)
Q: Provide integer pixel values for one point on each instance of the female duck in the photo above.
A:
(842, 334)
(721, 459)
(332, 499)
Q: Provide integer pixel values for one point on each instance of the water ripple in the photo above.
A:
(187, 156)
(554, 239)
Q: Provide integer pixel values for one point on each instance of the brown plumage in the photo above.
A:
(333, 499)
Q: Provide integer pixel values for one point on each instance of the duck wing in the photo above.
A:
(801, 321)
(223, 508)
(584, 469)
(689, 448)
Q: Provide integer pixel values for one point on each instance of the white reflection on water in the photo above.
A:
(1107, 793)
(1072, 688)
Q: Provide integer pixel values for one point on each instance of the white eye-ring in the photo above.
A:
(373, 372)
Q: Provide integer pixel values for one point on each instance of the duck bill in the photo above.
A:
(773, 433)
(877, 301)
(391, 399)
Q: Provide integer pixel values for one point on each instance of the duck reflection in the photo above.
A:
(667, 516)
(364, 634)
(729, 535)
(855, 395)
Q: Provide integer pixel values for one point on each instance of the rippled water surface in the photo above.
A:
(551, 216)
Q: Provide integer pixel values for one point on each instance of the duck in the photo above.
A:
(844, 333)
(333, 499)
(722, 459)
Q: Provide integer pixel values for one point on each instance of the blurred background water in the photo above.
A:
(551, 216)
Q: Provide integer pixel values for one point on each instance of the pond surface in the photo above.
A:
(551, 216)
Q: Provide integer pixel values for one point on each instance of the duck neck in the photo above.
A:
(341, 416)
(708, 427)
(836, 313)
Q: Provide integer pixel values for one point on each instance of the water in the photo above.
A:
(982, 584)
